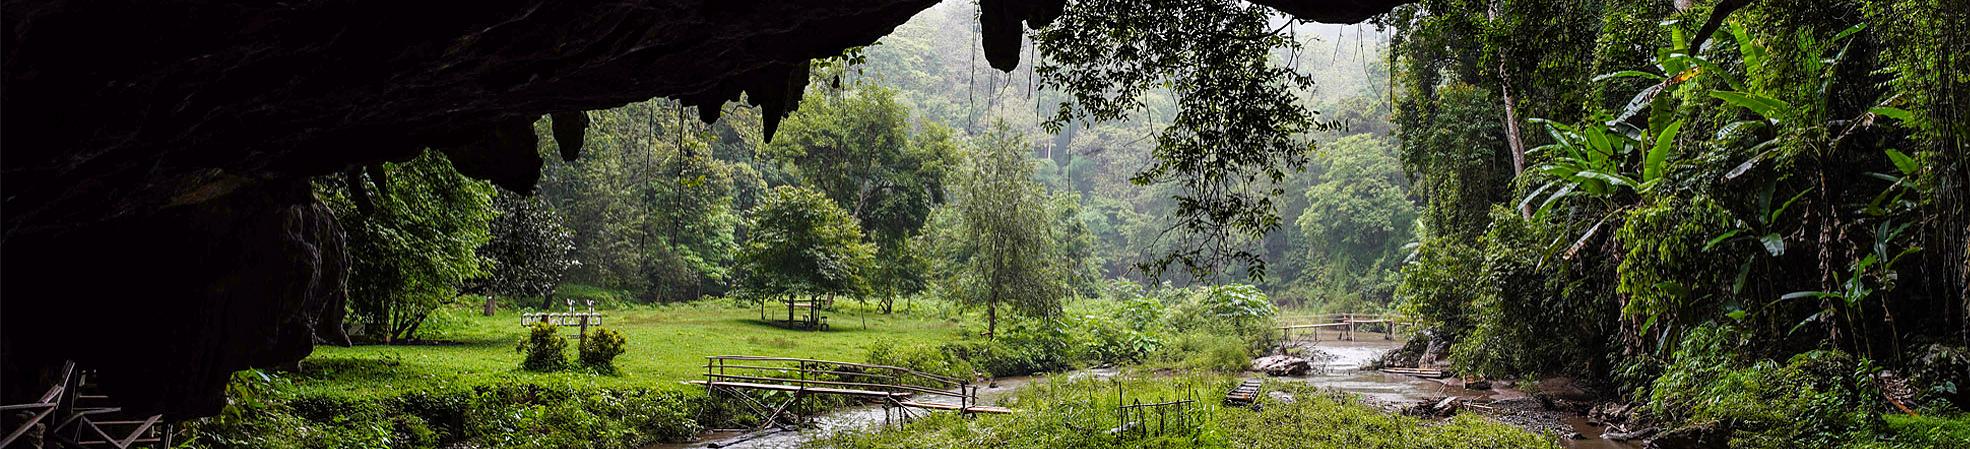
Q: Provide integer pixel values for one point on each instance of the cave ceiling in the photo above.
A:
(156, 153)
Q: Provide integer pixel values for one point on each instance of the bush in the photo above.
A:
(544, 348)
(1816, 399)
(925, 358)
(1205, 352)
(1022, 350)
(558, 416)
(599, 350)
(1240, 310)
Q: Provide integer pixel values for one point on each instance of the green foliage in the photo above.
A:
(1024, 350)
(1436, 285)
(1204, 352)
(1356, 220)
(528, 253)
(1009, 248)
(651, 203)
(1237, 310)
(599, 349)
(1450, 145)
(1815, 399)
(855, 147)
(1588, 161)
(256, 416)
(548, 416)
(1318, 420)
(1062, 413)
(802, 243)
(414, 249)
(501, 416)
(546, 350)
(1233, 136)
(1670, 281)
(1200, 329)
(1053, 413)
(1759, 182)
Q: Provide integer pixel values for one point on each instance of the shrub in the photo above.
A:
(544, 348)
(1205, 352)
(925, 358)
(1815, 399)
(1240, 310)
(1114, 344)
(599, 350)
(559, 416)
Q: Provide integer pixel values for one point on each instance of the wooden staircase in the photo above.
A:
(95, 421)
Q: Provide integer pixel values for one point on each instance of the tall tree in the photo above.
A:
(650, 202)
(1013, 261)
(856, 147)
(530, 250)
(413, 248)
(1356, 220)
(1237, 128)
(802, 243)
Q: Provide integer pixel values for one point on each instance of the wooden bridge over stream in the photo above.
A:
(1347, 324)
(902, 392)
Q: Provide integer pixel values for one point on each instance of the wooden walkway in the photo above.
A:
(1418, 372)
(1346, 323)
(899, 390)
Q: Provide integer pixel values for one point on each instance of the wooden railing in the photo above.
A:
(834, 377)
(572, 319)
(1346, 323)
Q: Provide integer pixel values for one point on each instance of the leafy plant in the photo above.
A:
(544, 348)
(803, 243)
(1595, 161)
(411, 243)
(599, 349)
(529, 251)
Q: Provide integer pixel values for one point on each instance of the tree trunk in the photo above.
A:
(1512, 132)
(992, 320)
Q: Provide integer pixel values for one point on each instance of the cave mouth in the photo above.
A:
(170, 145)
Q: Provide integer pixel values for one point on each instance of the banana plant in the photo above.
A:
(1873, 272)
(1775, 113)
(1594, 161)
(1675, 64)
(1901, 186)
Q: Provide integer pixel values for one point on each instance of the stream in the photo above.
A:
(849, 418)
(1340, 372)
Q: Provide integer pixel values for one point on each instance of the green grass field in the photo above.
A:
(667, 345)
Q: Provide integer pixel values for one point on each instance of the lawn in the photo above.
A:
(667, 345)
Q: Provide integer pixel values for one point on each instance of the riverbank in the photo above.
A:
(1069, 411)
(1338, 383)
(1553, 407)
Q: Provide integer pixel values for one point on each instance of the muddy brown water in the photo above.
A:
(1341, 372)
